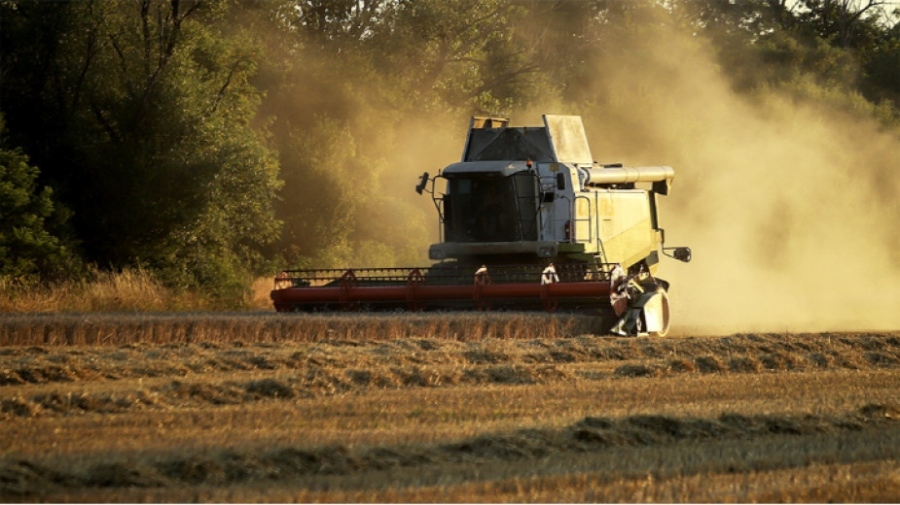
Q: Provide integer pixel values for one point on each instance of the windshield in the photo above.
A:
(491, 209)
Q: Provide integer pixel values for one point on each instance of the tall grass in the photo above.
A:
(130, 290)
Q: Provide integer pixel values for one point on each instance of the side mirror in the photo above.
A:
(423, 181)
(679, 253)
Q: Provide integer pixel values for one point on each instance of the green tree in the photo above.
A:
(815, 48)
(149, 132)
(461, 54)
(28, 251)
(347, 83)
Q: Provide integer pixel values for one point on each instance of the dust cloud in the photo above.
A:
(790, 208)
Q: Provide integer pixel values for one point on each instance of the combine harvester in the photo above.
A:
(528, 222)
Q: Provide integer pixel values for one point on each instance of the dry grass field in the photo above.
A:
(440, 408)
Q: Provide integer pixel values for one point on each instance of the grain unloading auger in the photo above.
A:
(528, 222)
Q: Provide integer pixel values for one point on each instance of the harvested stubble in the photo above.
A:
(367, 418)
(503, 449)
(119, 329)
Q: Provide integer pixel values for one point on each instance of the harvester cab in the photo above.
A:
(522, 202)
(526, 194)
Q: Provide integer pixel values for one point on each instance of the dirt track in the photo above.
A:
(437, 419)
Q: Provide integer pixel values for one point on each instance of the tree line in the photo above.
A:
(210, 141)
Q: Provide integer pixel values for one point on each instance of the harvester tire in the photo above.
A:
(665, 314)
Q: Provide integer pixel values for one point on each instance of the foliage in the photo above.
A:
(183, 133)
(845, 47)
(28, 251)
(149, 111)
